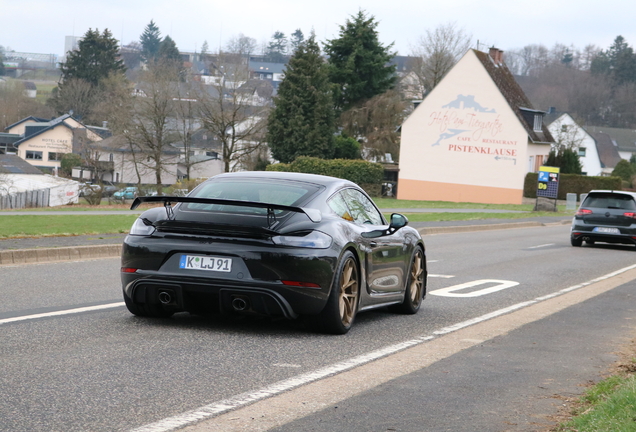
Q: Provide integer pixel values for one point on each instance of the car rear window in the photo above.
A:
(255, 190)
(610, 201)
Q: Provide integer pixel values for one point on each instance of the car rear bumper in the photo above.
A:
(259, 282)
(627, 235)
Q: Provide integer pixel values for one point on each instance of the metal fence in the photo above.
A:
(29, 199)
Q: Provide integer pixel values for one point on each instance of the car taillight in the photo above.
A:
(630, 215)
(583, 212)
(128, 270)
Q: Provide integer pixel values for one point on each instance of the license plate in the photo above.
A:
(195, 262)
(606, 230)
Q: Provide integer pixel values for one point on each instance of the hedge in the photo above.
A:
(355, 170)
(572, 183)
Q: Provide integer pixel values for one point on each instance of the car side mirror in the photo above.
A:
(397, 221)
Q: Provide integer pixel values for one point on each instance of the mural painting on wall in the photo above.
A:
(474, 128)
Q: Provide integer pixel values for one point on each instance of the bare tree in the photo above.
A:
(437, 52)
(241, 44)
(79, 96)
(186, 122)
(15, 105)
(150, 130)
(234, 110)
(375, 123)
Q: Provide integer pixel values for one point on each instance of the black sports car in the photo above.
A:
(272, 243)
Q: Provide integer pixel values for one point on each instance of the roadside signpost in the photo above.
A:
(548, 185)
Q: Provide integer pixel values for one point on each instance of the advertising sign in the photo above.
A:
(548, 186)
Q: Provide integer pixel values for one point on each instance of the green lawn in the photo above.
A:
(77, 224)
(73, 224)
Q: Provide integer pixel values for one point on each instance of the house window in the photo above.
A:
(531, 164)
(55, 156)
(213, 155)
(110, 157)
(538, 123)
(35, 155)
(581, 151)
(564, 128)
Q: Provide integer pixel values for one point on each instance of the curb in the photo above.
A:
(69, 253)
(468, 228)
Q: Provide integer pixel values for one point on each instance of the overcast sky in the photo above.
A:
(40, 26)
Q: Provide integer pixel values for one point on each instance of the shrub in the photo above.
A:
(357, 171)
(572, 183)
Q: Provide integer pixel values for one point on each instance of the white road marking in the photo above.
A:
(441, 276)
(61, 312)
(540, 246)
(450, 291)
(226, 405)
(432, 261)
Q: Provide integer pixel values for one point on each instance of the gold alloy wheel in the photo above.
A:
(348, 296)
(417, 284)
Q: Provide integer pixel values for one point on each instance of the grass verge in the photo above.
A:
(608, 406)
(432, 217)
(72, 224)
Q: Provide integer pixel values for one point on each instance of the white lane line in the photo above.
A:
(226, 405)
(441, 276)
(207, 411)
(540, 246)
(61, 312)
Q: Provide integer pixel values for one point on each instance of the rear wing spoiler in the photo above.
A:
(313, 214)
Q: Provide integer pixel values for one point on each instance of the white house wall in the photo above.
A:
(464, 143)
(576, 135)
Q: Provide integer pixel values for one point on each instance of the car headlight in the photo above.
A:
(141, 229)
(314, 240)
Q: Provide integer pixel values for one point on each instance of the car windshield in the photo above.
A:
(610, 201)
(253, 190)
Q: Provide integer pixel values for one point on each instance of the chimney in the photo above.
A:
(496, 55)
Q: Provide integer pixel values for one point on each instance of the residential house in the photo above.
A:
(566, 131)
(474, 137)
(42, 143)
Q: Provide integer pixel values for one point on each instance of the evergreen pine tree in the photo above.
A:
(297, 39)
(359, 62)
(96, 58)
(277, 48)
(302, 124)
(150, 41)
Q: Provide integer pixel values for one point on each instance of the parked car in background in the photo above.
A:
(271, 243)
(108, 189)
(130, 192)
(88, 189)
(605, 216)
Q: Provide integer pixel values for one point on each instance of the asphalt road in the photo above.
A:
(105, 370)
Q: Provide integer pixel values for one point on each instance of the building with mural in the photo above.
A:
(474, 137)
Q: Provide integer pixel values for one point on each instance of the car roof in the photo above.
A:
(632, 194)
(291, 176)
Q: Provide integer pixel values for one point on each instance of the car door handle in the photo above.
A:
(373, 244)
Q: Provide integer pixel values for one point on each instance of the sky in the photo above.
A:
(39, 26)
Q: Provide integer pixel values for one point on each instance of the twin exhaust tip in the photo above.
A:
(238, 303)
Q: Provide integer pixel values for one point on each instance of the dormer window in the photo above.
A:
(538, 123)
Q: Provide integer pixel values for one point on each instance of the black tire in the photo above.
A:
(342, 306)
(576, 241)
(415, 286)
(146, 310)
